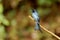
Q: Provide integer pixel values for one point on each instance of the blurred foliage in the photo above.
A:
(16, 25)
(1, 8)
(2, 32)
(45, 2)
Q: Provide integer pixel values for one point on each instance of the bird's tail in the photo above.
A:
(37, 27)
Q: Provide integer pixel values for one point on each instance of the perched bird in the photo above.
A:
(37, 19)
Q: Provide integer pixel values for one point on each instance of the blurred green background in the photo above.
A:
(16, 25)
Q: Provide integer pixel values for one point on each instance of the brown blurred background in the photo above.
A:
(16, 25)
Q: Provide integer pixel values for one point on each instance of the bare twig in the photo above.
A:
(50, 32)
(47, 30)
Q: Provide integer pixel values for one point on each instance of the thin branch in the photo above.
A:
(47, 30)
(50, 32)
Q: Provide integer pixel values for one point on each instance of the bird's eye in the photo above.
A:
(33, 11)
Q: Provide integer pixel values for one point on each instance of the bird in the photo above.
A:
(37, 19)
